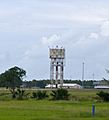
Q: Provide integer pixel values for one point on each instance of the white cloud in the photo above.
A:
(34, 25)
(94, 35)
(29, 16)
(50, 40)
(31, 53)
(105, 28)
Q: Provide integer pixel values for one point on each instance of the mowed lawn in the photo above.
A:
(54, 110)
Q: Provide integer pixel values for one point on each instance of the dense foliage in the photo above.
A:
(43, 83)
(12, 78)
(39, 95)
(60, 94)
(20, 94)
(103, 95)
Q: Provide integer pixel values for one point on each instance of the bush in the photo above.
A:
(103, 95)
(39, 95)
(60, 94)
(20, 94)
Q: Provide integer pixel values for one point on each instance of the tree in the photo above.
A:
(39, 95)
(12, 78)
(21, 94)
(60, 94)
(103, 95)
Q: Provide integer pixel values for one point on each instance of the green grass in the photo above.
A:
(53, 110)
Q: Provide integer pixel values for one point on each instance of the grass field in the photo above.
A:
(55, 110)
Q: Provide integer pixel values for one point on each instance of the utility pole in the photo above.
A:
(93, 76)
(83, 74)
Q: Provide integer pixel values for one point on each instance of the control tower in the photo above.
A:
(57, 56)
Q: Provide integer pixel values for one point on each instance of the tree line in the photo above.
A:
(13, 78)
(43, 83)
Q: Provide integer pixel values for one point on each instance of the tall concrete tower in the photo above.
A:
(57, 56)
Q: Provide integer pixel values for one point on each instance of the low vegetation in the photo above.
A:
(60, 94)
(54, 110)
(58, 104)
(57, 94)
(39, 95)
(78, 107)
(103, 95)
(21, 94)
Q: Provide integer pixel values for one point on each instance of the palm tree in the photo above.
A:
(20, 94)
(39, 95)
(60, 94)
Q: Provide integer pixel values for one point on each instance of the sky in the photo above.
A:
(28, 28)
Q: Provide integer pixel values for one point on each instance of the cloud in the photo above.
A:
(51, 40)
(27, 28)
(31, 53)
(94, 35)
(105, 28)
(30, 16)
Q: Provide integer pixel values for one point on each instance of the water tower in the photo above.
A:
(57, 56)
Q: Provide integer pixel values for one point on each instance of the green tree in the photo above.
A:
(12, 78)
(103, 95)
(60, 94)
(21, 94)
(39, 95)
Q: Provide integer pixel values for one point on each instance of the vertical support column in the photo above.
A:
(56, 66)
(61, 74)
(51, 73)
(57, 75)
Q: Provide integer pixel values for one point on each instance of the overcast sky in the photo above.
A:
(29, 27)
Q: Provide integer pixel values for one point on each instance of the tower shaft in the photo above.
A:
(57, 66)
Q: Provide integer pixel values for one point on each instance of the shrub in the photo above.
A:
(103, 95)
(60, 94)
(20, 94)
(39, 95)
